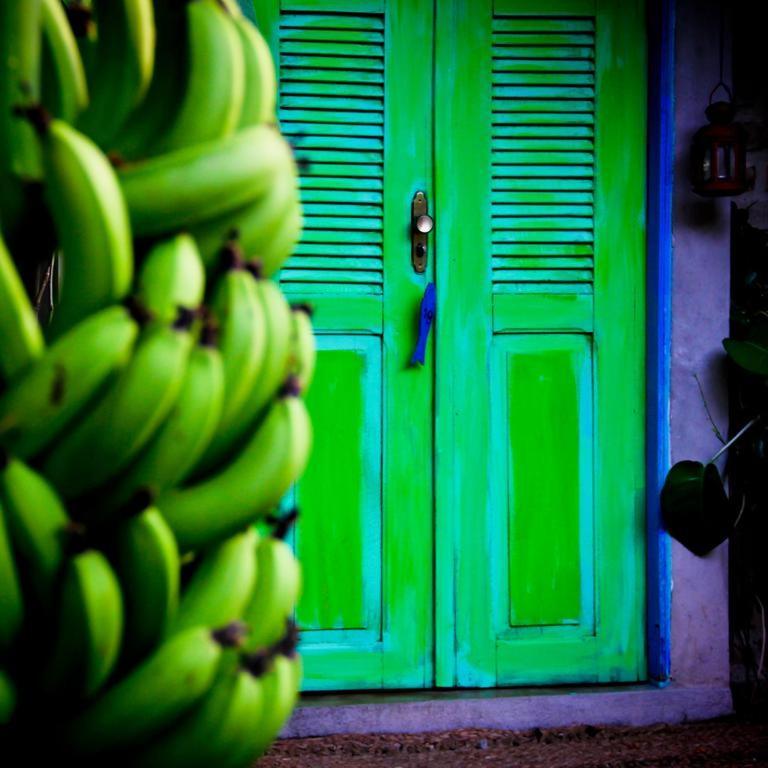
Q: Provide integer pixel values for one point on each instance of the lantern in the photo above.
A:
(719, 151)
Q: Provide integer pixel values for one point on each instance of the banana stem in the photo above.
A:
(284, 524)
(256, 663)
(289, 642)
(231, 635)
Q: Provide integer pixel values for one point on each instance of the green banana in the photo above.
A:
(274, 253)
(38, 524)
(120, 67)
(260, 98)
(210, 733)
(157, 692)
(212, 96)
(124, 420)
(254, 225)
(249, 486)
(11, 600)
(42, 402)
(243, 338)
(146, 559)
(277, 589)
(19, 329)
(63, 84)
(221, 585)
(279, 330)
(19, 86)
(239, 420)
(281, 691)
(172, 453)
(91, 221)
(7, 697)
(152, 117)
(178, 189)
(171, 276)
(88, 632)
(232, 7)
(303, 346)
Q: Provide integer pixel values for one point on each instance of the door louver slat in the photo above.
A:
(332, 111)
(542, 215)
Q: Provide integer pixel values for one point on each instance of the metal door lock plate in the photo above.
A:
(421, 225)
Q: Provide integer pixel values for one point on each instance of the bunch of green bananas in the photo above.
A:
(151, 382)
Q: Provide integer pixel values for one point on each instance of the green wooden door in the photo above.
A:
(361, 124)
(539, 473)
(478, 521)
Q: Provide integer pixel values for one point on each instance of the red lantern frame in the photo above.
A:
(718, 153)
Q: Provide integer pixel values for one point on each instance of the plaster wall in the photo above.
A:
(700, 306)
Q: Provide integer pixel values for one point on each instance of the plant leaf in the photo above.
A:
(751, 354)
(695, 507)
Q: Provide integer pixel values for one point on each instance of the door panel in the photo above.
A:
(339, 539)
(542, 499)
(547, 543)
(542, 412)
(360, 124)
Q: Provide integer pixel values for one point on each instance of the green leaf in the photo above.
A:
(751, 354)
(695, 507)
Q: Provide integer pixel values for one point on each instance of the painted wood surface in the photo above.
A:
(478, 521)
(661, 25)
(542, 410)
(462, 419)
(361, 125)
(539, 486)
(340, 532)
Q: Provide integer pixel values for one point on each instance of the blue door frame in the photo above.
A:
(661, 50)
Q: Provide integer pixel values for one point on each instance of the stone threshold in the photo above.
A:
(505, 708)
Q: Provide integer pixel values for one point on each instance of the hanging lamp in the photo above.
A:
(718, 153)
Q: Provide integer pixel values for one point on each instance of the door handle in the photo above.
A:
(421, 225)
(426, 316)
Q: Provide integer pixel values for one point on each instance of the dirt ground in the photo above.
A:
(712, 744)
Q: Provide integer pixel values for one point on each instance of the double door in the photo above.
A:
(476, 520)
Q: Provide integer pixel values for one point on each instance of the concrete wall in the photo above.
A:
(701, 271)
(701, 230)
